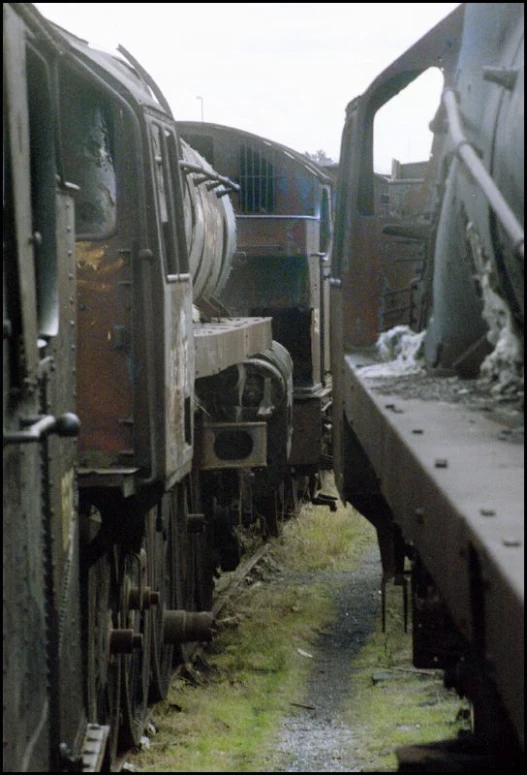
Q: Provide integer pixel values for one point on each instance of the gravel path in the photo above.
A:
(316, 740)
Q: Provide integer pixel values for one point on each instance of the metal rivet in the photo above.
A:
(420, 515)
(511, 541)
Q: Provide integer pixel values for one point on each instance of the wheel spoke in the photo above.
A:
(135, 664)
(160, 577)
(101, 607)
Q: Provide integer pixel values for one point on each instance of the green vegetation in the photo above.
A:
(254, 672)
(393, 703)
(324, 540)
(224, 716)
(255, 669)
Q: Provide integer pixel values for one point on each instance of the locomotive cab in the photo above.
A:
(134, 287)
(283, 208)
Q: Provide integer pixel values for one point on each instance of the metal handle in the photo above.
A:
(67, 425)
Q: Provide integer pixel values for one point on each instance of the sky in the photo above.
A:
(285, 71)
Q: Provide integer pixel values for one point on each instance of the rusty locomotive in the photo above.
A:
(430, 447)
(148, 414)
(166, 382)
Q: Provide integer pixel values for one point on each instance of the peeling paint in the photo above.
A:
(90, 256)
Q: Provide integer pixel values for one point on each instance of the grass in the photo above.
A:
(325, 540)
(226, 718)
(255, 667)
(392, 702)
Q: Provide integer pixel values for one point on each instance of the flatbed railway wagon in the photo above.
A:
(430, 449)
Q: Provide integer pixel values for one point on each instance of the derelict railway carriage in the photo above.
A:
(283, 209)
(433, 456)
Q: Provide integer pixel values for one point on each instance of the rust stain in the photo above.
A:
(88, 285)
(91, 256)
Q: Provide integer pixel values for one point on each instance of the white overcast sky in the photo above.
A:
(282, 70)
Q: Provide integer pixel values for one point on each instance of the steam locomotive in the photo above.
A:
(171, 373)
(148, 414)
(430, 448)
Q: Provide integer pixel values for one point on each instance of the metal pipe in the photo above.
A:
(475, 166)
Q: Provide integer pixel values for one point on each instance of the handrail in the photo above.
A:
(475, 166)
(207, 175)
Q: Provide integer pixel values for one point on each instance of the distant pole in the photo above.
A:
(201, 100)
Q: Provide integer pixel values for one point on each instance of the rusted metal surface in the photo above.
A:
(63, 485)
(443, 468)
(273, 235)
(179, 386)
(124, 480)
(273, 178)
(308, 414)
(270, 279)
(284, 228)
(105, 339)
(43, 687)
(134, 290)
(26, 732)
(94, 747)
(361, 262)
(365, 283)
(419, 455)
(210, 226)
(187, 626)
(232, 445)
(381, 280)
(16, 102)
(223, 343)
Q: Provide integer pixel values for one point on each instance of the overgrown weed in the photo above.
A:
(394, 702)
(257, 668)
(259, 663)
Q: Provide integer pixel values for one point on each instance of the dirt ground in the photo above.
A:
(360, 697)
(318, 738)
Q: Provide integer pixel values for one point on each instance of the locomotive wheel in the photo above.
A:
(193, 571)
(135, 662)
(186, 596)
(100, 566)
(180, 573)
(161, 573)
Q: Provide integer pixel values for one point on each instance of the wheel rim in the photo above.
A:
(103, 667)
(135, 666)
(161, 572)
